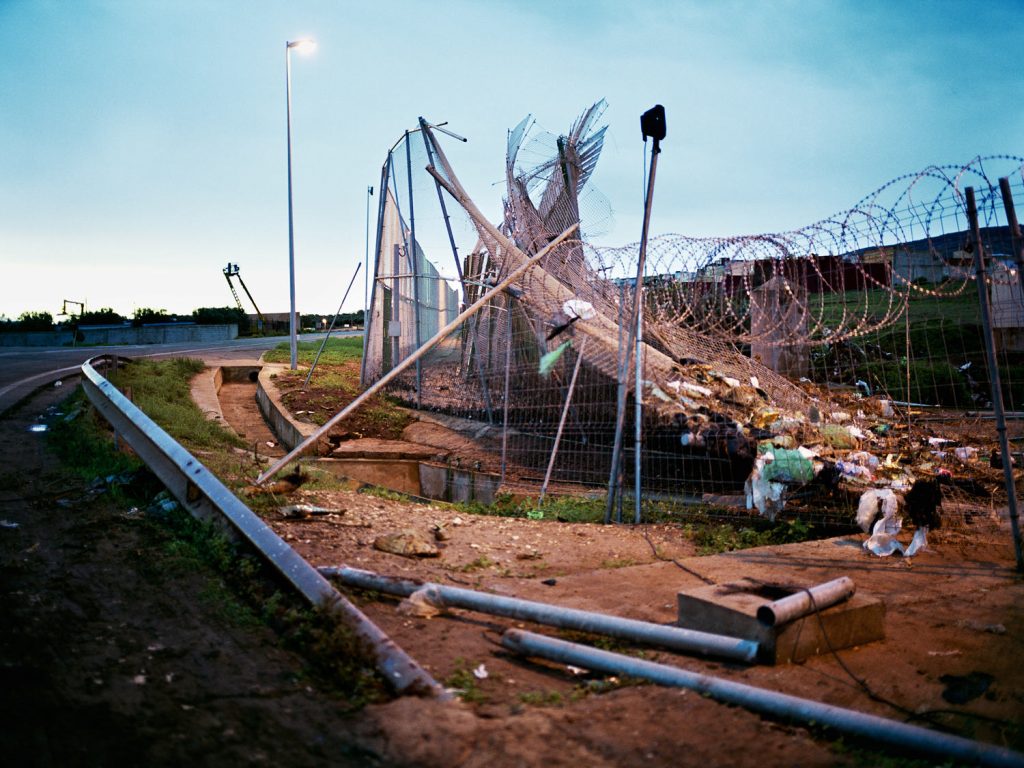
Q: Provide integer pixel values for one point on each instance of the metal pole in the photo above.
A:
(427, 138)
(620, 419)
(508, 367)
(873, 729)
(623, 373)
(366, 258)
(427, 346)
(367, 318)
(561, 421)
(1015, 236)
(638, 410)
(415, 270)
(331, 328)
(666, 636)
(993, 368)
(292, 338)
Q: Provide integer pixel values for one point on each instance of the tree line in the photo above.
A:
(43, 321)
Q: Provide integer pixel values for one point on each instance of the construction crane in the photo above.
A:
(79, 304)
(231, 270)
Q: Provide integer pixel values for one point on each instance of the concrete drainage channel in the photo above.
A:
(205, 497)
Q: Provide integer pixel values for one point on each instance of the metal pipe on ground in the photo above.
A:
(427, 346)
(806, 601)
(874, 729)
(671, 637)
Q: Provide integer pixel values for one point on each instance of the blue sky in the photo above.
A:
(142, 142)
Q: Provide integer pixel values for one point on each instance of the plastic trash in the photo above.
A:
(577, 308)
(918, 543)
(547, 362)
(883, 545)
(788, 466)
(875, 501)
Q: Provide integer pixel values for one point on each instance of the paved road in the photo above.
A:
(22, 369)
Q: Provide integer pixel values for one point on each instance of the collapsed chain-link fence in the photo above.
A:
(853, 347)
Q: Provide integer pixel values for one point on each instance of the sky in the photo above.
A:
(143, 144)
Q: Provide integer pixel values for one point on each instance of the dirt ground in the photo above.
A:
(107, 658)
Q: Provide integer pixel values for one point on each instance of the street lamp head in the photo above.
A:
(305, 45)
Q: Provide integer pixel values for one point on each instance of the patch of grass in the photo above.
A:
(161, 390)
(605, 685)
(466, 686)
(603, 642)
(713, 538)
(479, 564)
(337, 351)
(542, 698)
(84, 442)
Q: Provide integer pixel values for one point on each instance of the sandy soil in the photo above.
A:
(107, 659)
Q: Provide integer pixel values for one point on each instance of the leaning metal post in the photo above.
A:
(561, 421)
(334, 319)
(427, 138)
(993, 371)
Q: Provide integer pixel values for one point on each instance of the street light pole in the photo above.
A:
(301, 45)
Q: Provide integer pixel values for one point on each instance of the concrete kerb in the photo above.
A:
(205, 391)
(288, 429)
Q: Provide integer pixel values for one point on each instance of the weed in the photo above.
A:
(603, 642)
(479, 564)
(465, 683)
(542, 698)
(713, 538)
(605, 685)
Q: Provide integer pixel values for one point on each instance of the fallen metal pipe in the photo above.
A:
(875, 729)
(671, 637)
(416, 355)
(806, 601)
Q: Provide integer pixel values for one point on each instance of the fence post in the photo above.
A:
(993, 369)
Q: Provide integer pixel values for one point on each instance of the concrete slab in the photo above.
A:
(396, 475)
(731, 609)
(374, 448)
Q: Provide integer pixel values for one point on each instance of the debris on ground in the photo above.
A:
(305, 511)
(407, 543)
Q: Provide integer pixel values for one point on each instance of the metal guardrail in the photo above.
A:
(207, 498)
